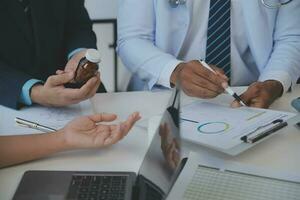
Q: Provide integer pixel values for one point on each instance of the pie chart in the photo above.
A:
(213, 127)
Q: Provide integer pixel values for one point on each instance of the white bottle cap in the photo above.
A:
(93, 55)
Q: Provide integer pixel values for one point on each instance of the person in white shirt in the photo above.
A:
(245, 41)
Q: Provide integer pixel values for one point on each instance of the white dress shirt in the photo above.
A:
(243, 68)
(154, 37)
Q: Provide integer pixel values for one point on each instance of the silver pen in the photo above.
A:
(33, 125)
(227, 89)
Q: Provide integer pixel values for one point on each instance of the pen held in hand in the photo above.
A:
(226, 88)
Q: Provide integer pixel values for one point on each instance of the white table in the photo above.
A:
(280, 151)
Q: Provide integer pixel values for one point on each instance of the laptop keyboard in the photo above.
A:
(92, 187)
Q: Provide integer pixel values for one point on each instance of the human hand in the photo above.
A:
(73, 62)
(169, 146)
(261, 94)
(86, 132)
(54, 93)
(197, 81)
(82, 71)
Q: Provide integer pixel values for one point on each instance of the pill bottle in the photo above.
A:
(87, 67)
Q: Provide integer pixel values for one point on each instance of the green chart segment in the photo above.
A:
(213, 127)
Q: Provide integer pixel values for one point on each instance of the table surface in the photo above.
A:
(281, 151)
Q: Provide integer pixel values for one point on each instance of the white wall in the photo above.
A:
(107, 9)
(102, 9)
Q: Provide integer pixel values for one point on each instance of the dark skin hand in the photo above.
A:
(261, 94)
(169, 146)
(197, 81)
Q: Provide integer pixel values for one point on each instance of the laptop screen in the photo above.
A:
(163, 158)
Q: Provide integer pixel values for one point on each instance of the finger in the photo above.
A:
(103, 128)
(103, 117)
(220, 72)
(162, 130)
(56, 80)
(236, 104)
(260, 103)
(249, 96)
(58, 72)
(93, 92)
(164, 135)
(115, 136)
(209, 75)
(76, 95)
(101, 137)
(128, 124)
(204, 83)
(176, 158)
(198, 91)
(131, 120)
(119, 131)
(95, 89)
(87, 88)
(170, 150)
(196, 69)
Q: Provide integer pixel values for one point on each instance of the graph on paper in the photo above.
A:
(222, 127)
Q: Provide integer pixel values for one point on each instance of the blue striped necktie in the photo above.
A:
(218, 35)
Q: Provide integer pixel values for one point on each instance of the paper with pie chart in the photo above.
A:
(222, 127)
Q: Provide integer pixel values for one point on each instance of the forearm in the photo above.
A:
(283, 65)
(19, 149)
(284, 61)
(140, 48)
(144, 59)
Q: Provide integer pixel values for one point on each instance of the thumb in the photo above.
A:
(60, 79)
(246, 97)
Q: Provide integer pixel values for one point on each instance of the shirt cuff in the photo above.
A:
(165, 74)
(283, 77)
(25, 94)
(74, 52)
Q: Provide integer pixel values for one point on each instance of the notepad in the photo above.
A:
(212, 184)
(205, 177)
(52, 117)
(222, 127)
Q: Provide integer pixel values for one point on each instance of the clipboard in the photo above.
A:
(270, 128)
(244, 146)
(246, 126)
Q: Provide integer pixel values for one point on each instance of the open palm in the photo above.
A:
(85, 132)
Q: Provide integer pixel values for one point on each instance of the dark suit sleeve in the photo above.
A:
(79, 33)
(11, 83)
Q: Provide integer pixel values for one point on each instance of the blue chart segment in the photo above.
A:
(213, 127)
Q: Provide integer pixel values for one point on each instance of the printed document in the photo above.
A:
(222, 127)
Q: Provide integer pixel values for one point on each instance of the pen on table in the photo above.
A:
(227, 89)
(33, 125)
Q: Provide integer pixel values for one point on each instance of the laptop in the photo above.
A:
(159, 170)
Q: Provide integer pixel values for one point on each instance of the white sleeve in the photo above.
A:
(136, 43)
(284, 63)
